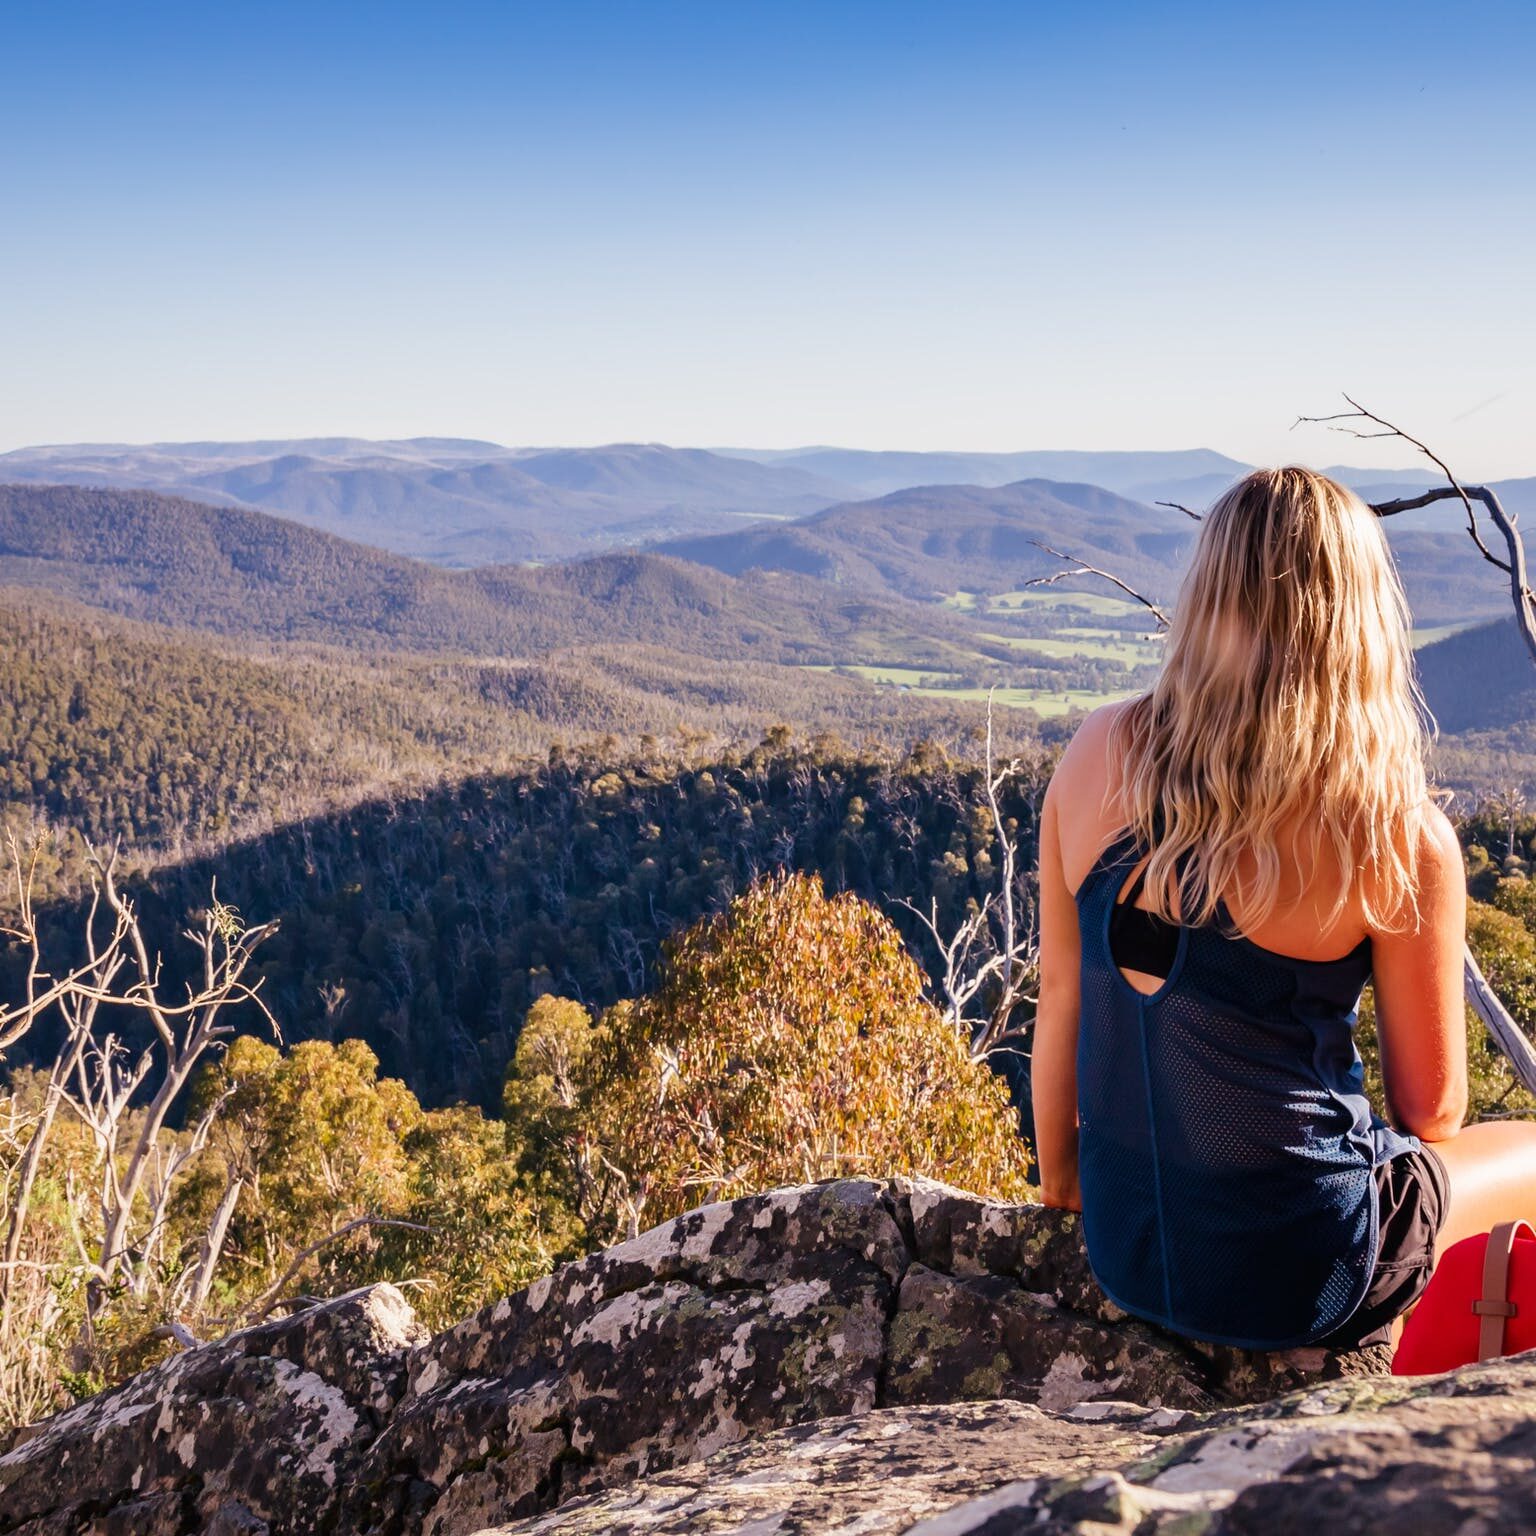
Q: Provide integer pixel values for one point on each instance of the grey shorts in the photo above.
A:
(1413, 1193)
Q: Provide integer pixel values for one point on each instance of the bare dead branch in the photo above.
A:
(1514, 566)
(1082, 568)
(1358, 412)
(1501, 1027)
(994, 950)
(176, 1331)
(264, 1303)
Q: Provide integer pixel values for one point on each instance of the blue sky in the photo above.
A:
(883, 225)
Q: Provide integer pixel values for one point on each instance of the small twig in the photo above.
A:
(176, 1331)
(1178, 506)
(1082, 568)
(265, 1302)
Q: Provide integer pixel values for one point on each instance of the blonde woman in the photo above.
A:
(1225, 861)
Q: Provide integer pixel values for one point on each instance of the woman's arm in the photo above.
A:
(1053, 1067)
(1421, 1017)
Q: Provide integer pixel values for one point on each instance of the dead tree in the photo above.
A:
(1508, 803)
(77, 1007)
(139, 1159)
(1501, 1026)
(992, 958)
(184, 1034)
(40, 991)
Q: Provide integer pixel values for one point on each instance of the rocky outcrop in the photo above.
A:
(829, 1302)
(259, 1432)
(1415, 1456)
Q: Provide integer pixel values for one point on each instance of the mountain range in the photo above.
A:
(464, 502)
(452, 501)
(309, 638)
(1196, 475)
(167, 560)
(935, 540)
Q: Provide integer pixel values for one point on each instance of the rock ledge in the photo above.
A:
(852, 1305)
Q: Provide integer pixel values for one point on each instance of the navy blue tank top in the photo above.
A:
(1226, 1147)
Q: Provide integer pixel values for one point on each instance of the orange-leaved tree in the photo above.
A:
(789, 1040)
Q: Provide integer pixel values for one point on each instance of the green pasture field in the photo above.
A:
(1068, 631)
(1048, 597)
(1043, 701)
(1129, 653)
(1048, 702)
(1429, 633)
(900, 677)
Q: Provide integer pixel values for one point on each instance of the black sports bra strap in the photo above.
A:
(1129, 899)
(1158, 823)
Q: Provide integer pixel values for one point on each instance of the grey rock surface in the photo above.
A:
(1414, 1456)
(259, 1432)
(797, 1307)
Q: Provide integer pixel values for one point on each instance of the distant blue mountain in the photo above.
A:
(1142, 476)
(453, 501)
(466, 502)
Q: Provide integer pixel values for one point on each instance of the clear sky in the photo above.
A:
(987, 226)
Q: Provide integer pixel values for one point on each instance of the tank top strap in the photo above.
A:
(1106, 875)
(1114, 857)
(1129, 899)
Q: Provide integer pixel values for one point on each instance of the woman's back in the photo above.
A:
(1226, 1145)
(1092, 812)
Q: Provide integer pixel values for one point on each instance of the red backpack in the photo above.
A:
(1480, 1303)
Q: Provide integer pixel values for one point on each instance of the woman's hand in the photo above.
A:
(1063, 1196)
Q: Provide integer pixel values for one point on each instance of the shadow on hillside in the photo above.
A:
(426, 924)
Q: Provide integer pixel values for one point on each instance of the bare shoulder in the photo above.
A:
(1076, 796)
(1084, 764)
(1442, 869)
(1440, 841)
(1439, 852)
(1440, 885)
(1090, 740)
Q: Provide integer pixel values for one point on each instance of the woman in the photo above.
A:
(1224, 862)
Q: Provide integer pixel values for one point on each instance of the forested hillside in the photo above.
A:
(236, 572)
(170, 739)
(1480, 685)
(930, 542)
(247, 576)
(1480, 679)
(426, 923)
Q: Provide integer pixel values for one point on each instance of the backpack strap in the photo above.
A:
(1494, 1305)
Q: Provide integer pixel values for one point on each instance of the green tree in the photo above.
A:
(341, 1178)
(549, 1087)
(472, 1235)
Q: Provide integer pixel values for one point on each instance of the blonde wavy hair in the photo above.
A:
(1286, 711)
